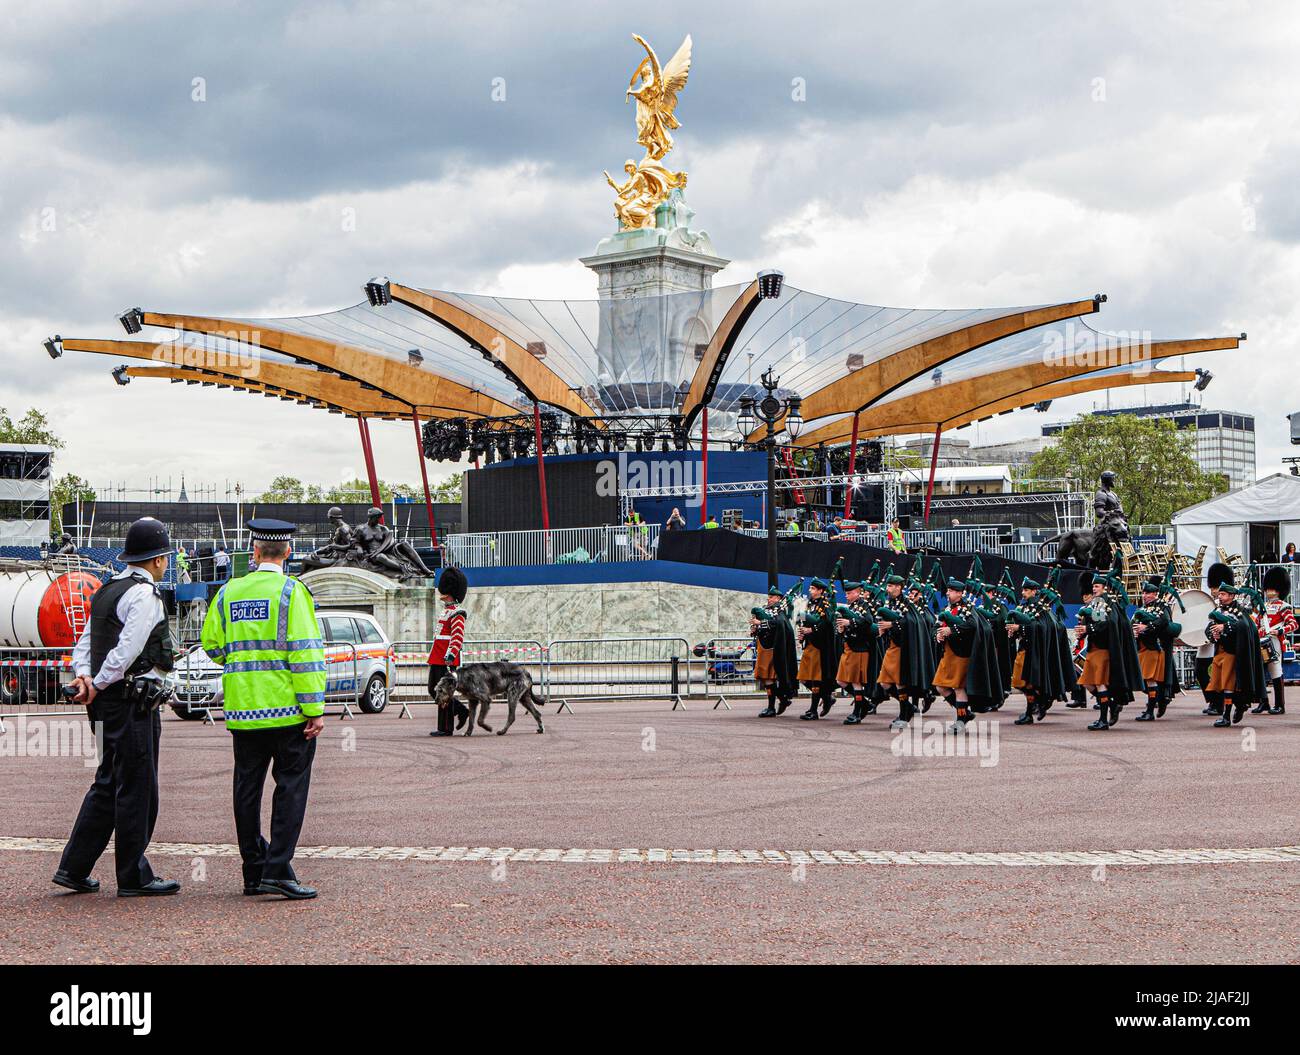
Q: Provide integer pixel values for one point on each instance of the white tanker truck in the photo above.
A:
(43, 605)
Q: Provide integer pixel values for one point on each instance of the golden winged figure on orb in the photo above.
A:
(656, 96)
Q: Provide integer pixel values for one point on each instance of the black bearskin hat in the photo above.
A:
(1219, 574)
(452, 583)
(1278, 579)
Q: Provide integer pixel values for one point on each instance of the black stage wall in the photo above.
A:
(507, 498)
(727, 549)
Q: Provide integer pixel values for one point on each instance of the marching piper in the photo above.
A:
(775, 664)
(967, 676)
(1236, 671)
(1111, 671)
(821, 648)
(860, 661)
(1155, 630)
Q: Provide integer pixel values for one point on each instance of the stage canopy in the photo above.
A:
(408, 350)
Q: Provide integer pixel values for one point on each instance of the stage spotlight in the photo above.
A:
(132, 320)
(54, 346)
(120, 375)
(769, 284)
(379, 291)
(1203, 379)
(605, 444)
(663, 445)
(415, 357)
(1043, 406)
(936, 378)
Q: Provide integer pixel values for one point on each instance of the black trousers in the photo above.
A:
(446, 715)
(123, 800)
(289, 755)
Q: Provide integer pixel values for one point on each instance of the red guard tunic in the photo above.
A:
(449, 639)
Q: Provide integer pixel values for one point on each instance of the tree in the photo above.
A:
(449, 489)
(283, 489)
(65, 491)
(32, 427)
(358, 491)
(1156, 473)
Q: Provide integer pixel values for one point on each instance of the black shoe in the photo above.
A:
(1161, 704)
(253, 889)
(77, 886)
(1025, 719)
(1223, 722)
(1042, 710)
(1073, 704)
(1212, 709)
(767, 712)
(1100, 723)
(439, 732)
(852, 719)
(1146, 716)
(827, 703)
(925, 704)
(1238, 712)
(1278, 710)
(780, 707)
(462, 716)
(289, 888)
(809, 715)
(1259, 708)
(156, 888)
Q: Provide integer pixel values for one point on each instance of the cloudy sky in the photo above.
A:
(248, 159)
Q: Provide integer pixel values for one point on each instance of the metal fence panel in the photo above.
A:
(618, 668)
(411, 659)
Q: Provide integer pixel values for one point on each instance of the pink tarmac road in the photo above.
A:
(1169, 842)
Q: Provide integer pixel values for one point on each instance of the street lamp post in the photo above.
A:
(769, 410)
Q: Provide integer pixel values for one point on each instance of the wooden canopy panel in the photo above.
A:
(192, 375)
(410, 384)
(863, 387)
(715, 355)
(305, 381)
(539, 382)
(948, 405)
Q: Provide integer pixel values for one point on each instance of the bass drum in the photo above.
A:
(1199, 605)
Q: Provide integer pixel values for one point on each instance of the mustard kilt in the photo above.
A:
(1096, 668)
(810, 664)
(891, 665)
(952, 671)
(1018, 671)
(764, 670)
(1152, 662)
(1223, 672)
(853, 667)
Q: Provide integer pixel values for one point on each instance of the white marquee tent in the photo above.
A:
(1256, 521)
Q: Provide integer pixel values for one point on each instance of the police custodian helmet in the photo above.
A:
(145, 539)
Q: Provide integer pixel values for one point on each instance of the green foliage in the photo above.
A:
(32, 427)
(64, 491)
(1156, 472)
(449, 489)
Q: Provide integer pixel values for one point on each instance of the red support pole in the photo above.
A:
(424, 475)
(704, 486)
(541, 466)
(934, 466)
(369, 454)
(853, 461)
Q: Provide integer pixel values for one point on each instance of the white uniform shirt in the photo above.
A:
(139, 610)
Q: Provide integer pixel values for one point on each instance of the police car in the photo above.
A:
(196, 678)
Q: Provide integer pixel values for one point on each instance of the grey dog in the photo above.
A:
(477, 683)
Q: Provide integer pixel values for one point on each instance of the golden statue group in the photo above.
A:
(650, 182)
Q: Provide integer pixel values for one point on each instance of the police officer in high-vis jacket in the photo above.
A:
(119, 662)
(262, 628)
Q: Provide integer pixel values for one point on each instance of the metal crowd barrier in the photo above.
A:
(622, 668)
(411, 660)
(30, 680)
(729, 668)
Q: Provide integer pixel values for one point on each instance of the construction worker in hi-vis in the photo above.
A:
(262, 629)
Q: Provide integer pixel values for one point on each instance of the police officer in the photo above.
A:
(118, 662)
(262, 629)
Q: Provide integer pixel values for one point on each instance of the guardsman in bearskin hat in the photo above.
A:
(1155, 631)
(856, 622)
(821, 649)
(1277, 622)
(448, 646)
(775, 665)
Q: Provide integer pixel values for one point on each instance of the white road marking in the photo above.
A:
(930, 858)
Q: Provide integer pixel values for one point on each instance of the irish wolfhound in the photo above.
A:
(477, 683)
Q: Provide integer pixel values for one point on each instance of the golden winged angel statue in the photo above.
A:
(649, 182)
(656, 96)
